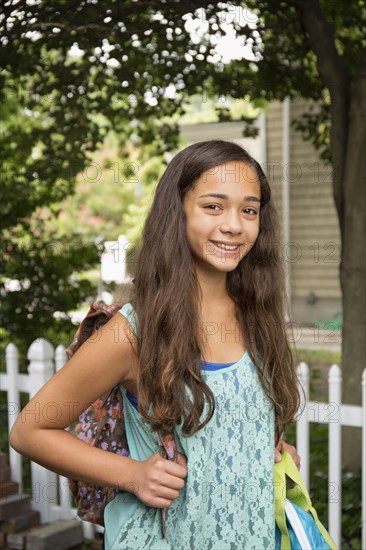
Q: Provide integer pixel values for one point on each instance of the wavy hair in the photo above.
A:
(166, 297)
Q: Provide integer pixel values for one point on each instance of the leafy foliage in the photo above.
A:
(41, 280)
(37, 265)
(112, 58)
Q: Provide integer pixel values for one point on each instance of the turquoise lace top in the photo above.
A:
(227, 502)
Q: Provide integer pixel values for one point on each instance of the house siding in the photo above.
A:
(313, 252)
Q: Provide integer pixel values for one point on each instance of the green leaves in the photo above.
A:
(40, 279)
(71, 72)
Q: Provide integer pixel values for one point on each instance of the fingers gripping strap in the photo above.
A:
(299, 496)
(280, 498)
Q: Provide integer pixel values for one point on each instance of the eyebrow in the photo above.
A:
(225, 197)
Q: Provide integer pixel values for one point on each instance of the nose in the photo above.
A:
(232, 223)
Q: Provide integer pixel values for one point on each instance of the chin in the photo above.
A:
(226, 267)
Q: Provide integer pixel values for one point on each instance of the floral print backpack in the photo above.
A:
(102, 425)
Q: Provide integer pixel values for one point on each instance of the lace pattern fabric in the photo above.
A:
(227, 502)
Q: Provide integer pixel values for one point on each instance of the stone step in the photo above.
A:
(3, 543)
(96, 544)
(8, 488)
(21, 522)
(59, 535)
(5, 473)
(14, 504)
(18, 543)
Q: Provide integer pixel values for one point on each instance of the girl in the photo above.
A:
(210, 359)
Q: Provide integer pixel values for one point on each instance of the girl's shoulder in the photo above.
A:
(128, 311)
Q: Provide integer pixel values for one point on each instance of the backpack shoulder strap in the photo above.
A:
(98, 315)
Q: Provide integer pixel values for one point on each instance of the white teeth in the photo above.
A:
(225, 246)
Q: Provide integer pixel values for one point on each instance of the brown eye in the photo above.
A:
(252, 211)
(211, 207)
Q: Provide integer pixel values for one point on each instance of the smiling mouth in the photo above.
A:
(227, 247)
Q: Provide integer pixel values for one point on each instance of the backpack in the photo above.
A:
(96, 428)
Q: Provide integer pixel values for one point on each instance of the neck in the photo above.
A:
(213, 287)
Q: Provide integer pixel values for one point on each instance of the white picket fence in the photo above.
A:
(336, 415)
(50, 493)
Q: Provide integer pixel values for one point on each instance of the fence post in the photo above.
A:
(60, 357)
(12, 371)
(335, 455)
(302, 425)
(364, 459)
(44, 482)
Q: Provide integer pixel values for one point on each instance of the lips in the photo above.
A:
(226, 246)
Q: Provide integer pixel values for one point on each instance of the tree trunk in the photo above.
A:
(353, 265)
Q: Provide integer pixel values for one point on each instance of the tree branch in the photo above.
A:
(337, 79)
(330, 65)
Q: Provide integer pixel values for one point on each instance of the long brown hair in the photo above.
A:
(166, 297)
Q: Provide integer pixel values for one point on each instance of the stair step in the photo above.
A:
(59, 535)
(5, 473)
(15, 542)
(21, 522)
(8, 488)
(3, 543)
(14, 504)
(96, 544)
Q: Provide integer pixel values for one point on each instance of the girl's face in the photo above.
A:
(222, 213)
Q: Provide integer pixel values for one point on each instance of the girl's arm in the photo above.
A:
(101, 363)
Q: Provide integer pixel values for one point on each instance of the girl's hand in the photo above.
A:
(282, 446)
(157, 481)
(182, 460)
